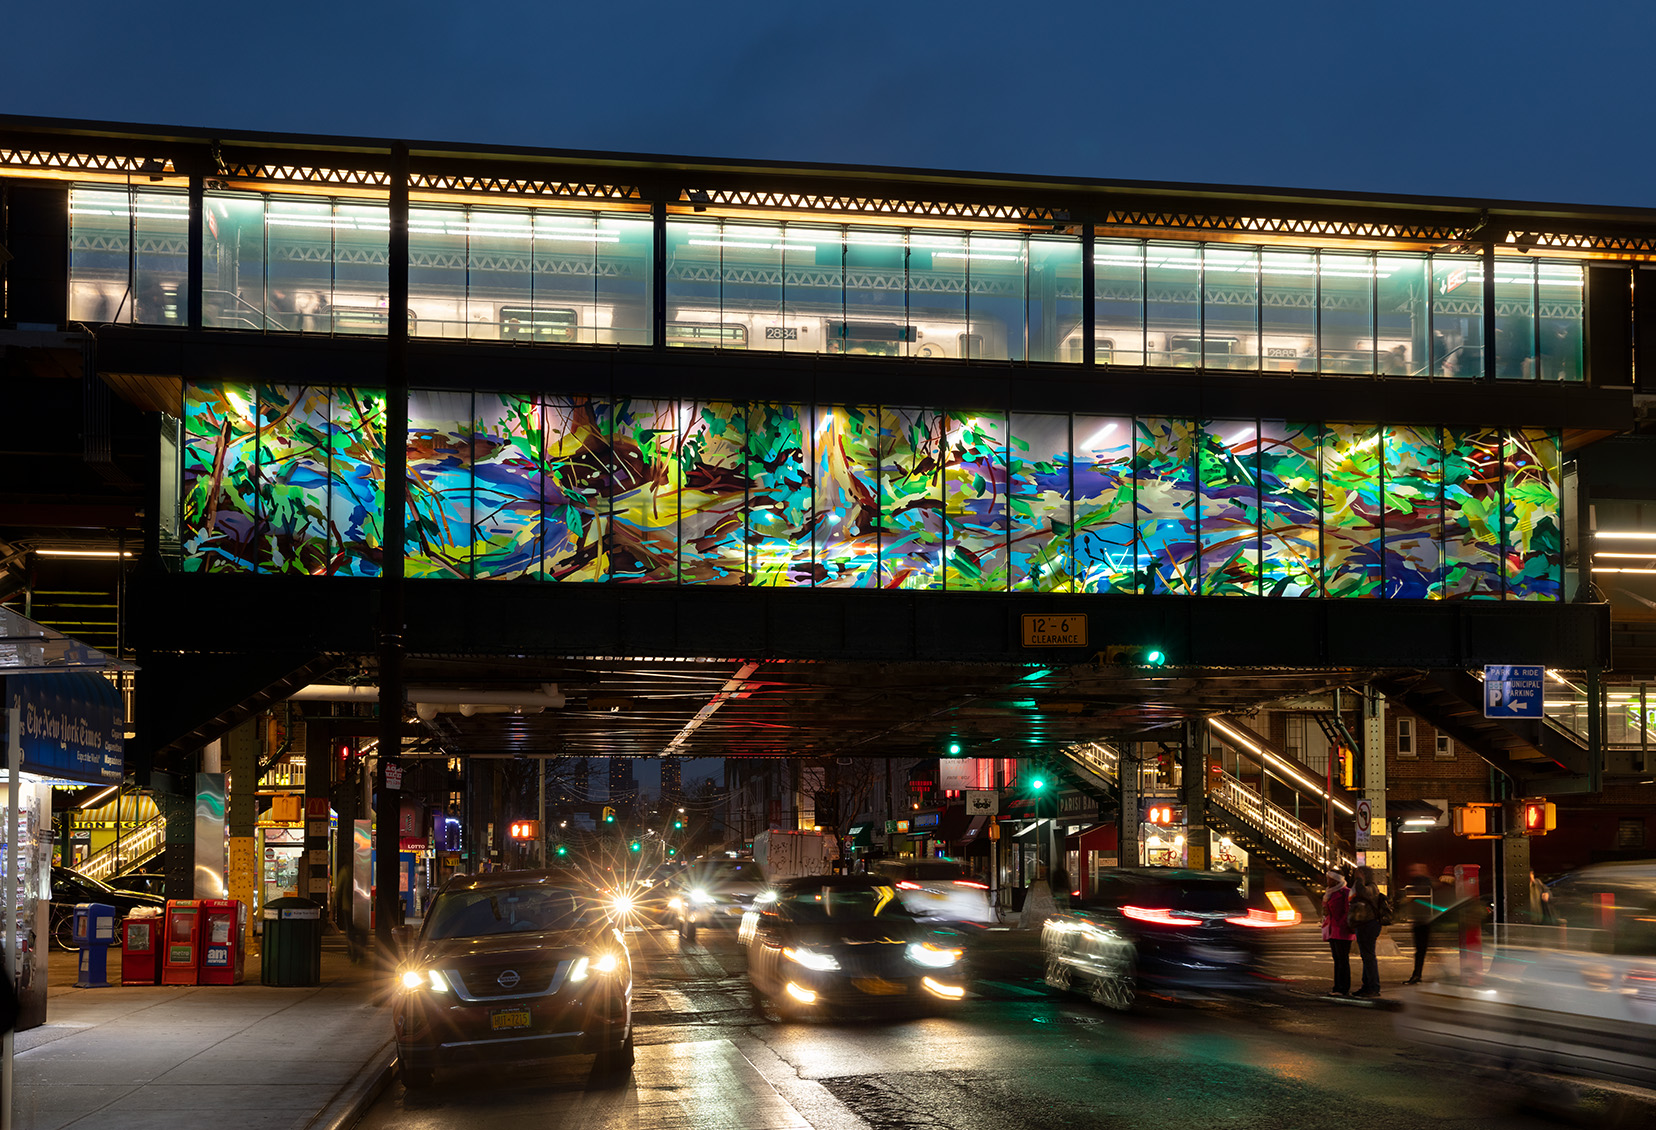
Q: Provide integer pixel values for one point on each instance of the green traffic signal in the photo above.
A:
(954, 749)
(1155, 657)
(1037, 783)
(563, 849)
(672, 851)
(678, 824)
(636, 846)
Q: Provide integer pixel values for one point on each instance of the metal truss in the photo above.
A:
(888, 207)
(58, 161)
(520, 186)
(303, 174)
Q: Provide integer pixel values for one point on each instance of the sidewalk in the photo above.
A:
(177, 1058)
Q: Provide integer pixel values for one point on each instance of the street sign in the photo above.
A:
(1365, 813)
(982, 803)
(1512, 692)
(1055, 631)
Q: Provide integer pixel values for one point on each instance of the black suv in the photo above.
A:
(71, 887)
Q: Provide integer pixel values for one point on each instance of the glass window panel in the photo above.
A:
(1530, 516)
(1173, 311)
(299, 262)
(1471, 512)
(974, 485)
(1103, 492)
(438, 517)
(437, 271)
(911, 451)
(100, 255)
(644, 489)
(161, 229)
(1229, 513)
(713, 500)
(1457, 315)
(1230, 307)
(937, 280)
(813, 286)
(847, 541)
(1351, 510)
(362, 234)
(220, 494)
(1559, 287)
(781, 495)
(506, 484)
(1039, 501)
(751, 267)
(1402, 315)
(500, 276)
(356, 469)
(996, 308)
(876, 286)
(1118, 301)
(1164, 504)
(233, 258)
(624, 270)
(1053, 315)
(1414, 512)
(1288, 311)
(575, 478)
(695, 318)
(1290, 499)
(1346, 313)
(564, 285)
(293, 479)
(1515, 319)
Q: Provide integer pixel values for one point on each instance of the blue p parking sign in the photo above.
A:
(1513, 692)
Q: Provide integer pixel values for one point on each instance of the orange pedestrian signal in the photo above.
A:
(1540, 817)
(525, 830)
(1163, 814)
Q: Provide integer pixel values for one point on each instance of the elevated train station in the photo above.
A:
(589, 455)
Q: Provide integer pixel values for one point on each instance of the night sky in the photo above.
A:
(1515, 100)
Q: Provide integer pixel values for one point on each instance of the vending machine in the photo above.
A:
(223, 941)
(181, 960)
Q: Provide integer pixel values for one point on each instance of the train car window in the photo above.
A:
(520, 323)
(880, 339)
(364, 319)
(1104, 351)
(971, 345)
(713, 334)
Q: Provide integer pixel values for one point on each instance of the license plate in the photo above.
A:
(879, 986)
(503, 1018)
(1216, 954)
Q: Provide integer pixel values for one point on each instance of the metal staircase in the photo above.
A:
(1291, 846)
(142, 844)
(1452, 701)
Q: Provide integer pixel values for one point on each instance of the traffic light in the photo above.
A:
(525, 830)
(1037, 782)
(955, 749)
(609, 815)
(1135, 655)
(635, 846)
(561, 850)
(1539, 817)
(1478, 821)
(678, 824)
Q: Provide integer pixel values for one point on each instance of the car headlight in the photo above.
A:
(811, 959)
(622, 904)
(606, 963)
(413, 980)
(700, 896)
(932, 957)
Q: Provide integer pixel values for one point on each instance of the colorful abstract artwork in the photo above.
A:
(1472, 477)
(1228, 517)
(1351, 479)
(1040, 502)
(1103, 493)
(1290, 508)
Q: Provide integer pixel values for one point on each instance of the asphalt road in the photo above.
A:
(1012, 1056)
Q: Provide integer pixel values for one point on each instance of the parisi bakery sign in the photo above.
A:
(71, 726)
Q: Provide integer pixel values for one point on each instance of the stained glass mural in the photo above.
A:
(1472, 512)
(1228, 520)
(1038, 494)
(1530, 519)
(645, 449)
(1164, 504)
(1103, 485)
(713, 498)
(910, 451)
(1290, 502)
(781, 503)
(575, 477)
(847, 539)
(974, 486)
(293, 479)
(356, 476)
(1413, 457)
(506, 485)
(219, 509)
(1351, 483)
(437, 528)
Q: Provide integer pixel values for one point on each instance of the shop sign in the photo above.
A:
(956, 776)
(926, 820)
(393, 775)
(982, 803)
(71, 726)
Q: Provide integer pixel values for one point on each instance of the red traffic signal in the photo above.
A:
(1164, 814)
(525, 830)
(1539, 817)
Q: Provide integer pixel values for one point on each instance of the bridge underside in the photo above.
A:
(714, 672)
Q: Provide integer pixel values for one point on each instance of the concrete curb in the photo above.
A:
(360, 1093)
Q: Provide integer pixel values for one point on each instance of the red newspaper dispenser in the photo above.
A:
(223, 938)
(140, 944)
(181, 937)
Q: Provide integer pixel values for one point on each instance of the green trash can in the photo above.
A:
(292, 952)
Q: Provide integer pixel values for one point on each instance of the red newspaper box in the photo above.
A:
(140, 943)
(223, 937)
(181, 937)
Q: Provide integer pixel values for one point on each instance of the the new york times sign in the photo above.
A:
(71, 726)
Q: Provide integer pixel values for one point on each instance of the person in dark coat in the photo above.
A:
(1363, 911)
(1417, 895)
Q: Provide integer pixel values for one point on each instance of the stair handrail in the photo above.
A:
(1232, 793)
(1097, 757)
(141, 841)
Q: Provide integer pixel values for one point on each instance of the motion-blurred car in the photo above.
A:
(514, 967)
(938, 890)
(70, 888)
(1578, 998)
(142, 882)
(1174, 933)
(714, 891)
(846, 944)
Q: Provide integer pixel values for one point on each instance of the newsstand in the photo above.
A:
(292, 953)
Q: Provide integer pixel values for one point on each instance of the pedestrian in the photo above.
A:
(1364, 910)
(1417, 895)
(1336, 931)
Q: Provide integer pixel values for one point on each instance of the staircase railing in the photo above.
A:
(1290, 833)
(137, 845)
(1097, 758)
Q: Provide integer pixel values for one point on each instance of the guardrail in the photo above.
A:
(1231, 794)
(143, 840)
(1097, 758)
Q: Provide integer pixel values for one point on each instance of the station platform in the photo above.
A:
(177, 1057)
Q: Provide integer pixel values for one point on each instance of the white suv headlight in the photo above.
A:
(932, 957)
(811, 959)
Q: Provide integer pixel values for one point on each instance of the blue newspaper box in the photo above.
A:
(94, 933)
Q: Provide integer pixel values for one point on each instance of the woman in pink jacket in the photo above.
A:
(1337, 932)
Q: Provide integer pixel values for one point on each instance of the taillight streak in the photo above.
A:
(1158, 916)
